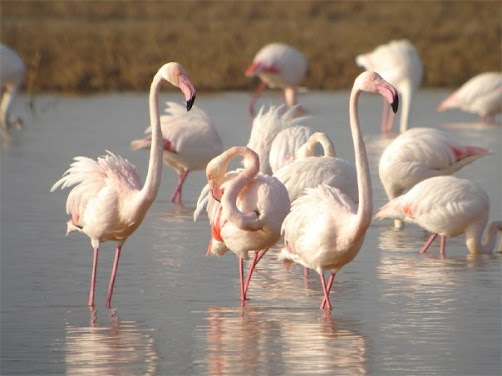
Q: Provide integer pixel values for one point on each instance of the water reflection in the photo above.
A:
(117, 348)
(255, 341)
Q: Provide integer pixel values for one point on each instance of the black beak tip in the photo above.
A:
(395, 104)
(190, 103)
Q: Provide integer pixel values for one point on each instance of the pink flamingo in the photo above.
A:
(109, 202)
(11, 79)
(421, 153)
(399, 63)
(278, 65)
(448, 206)
(190, 142)
(482, 95)
(325, 228)
(245, 208)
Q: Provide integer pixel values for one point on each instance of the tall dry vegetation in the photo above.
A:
(89, 46)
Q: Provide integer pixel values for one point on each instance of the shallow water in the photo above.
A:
(177, 312)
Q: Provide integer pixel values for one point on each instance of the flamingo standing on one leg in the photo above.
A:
(245, 208)
(399, 63)
(482, 95)
(421, 153)
(278, 65)
(109, 202)
(325, 229)
(448, 206)
(190, 142)
(11, 78)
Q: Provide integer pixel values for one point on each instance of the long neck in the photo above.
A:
(475, 245)
(365, 208)
(153, 176)
(308, 149)
(245, 221)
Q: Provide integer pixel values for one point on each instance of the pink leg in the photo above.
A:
(385, 112)
(330, 283)
(390, 120)
(176, 196)
(256, 259)
(257, 93)
(112, 278)
(305, 272)
(442, 246)
(241, 275)
(326, 304)
(428, 243)
(93, 277)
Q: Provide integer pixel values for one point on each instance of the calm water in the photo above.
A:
(177, 312)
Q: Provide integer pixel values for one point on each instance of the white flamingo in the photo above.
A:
(421, 153)
(190, 142)
(285, 145)
(399, 63)
(278, 65)
(245, 208)
(325, 229)
(108, 201)
(482, 95)
(11, 78)
(448, 206)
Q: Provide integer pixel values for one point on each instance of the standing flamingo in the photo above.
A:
(421, 153)
(109, 202)
(308, 170)
(448, 206)
(11, 78)
(325, 228)
(399, 63)
(278, 65)
(190, 142)
(245, 208)
(482, 95)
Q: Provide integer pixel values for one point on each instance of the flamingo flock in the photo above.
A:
(315, 208)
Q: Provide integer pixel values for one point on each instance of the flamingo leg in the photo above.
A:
(390, 121)
(305, 272)
(255, 96)
(241, 274)
(112, 278)
(326, 304)
(330, 283)
(93, 276)
(442, 246)
(385, 112)
(176, 196)
(428, 243)
(256, 259)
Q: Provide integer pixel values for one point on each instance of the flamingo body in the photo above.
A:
(285, 144)
(448, 206)
(481, 95)
(11, 78)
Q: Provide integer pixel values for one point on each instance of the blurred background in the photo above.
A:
(93, 46)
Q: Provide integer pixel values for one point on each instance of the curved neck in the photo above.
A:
(153, 176)
(365, 208)
(475, 245)
(244, 221)
(308, 148)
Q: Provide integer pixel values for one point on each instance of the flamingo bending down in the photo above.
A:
(109, 202)
(421, 153)
(278, 65)
(325, 228)
(190, 142)
(448, 206)
(245, 208)
(11, 78)
(399, 63)
(482, 95)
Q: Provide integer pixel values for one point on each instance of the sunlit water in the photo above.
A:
(177, 312)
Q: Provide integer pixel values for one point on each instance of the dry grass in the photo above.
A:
(90, 46)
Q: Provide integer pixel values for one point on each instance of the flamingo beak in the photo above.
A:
(188, 90)
(390, 93)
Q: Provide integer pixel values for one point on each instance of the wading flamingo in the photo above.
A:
(245, 208)
(421, 153)
(482, 95)
(399, 63)
(11, 78)
(448, 206)
(109, 202)
(325, 228)
(278, 65)
(190, 142)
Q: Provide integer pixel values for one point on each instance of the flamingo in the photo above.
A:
(421, 153)
(190, 142)
(278, 65)
(482, 95)
(325, 228)
(308, 170)
(11, 79)
(109, 202)
(285, 144)
(399, 63)
(245, 208)
(448, 206)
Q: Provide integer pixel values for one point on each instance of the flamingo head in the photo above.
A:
(372, 82)
(175, 74)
